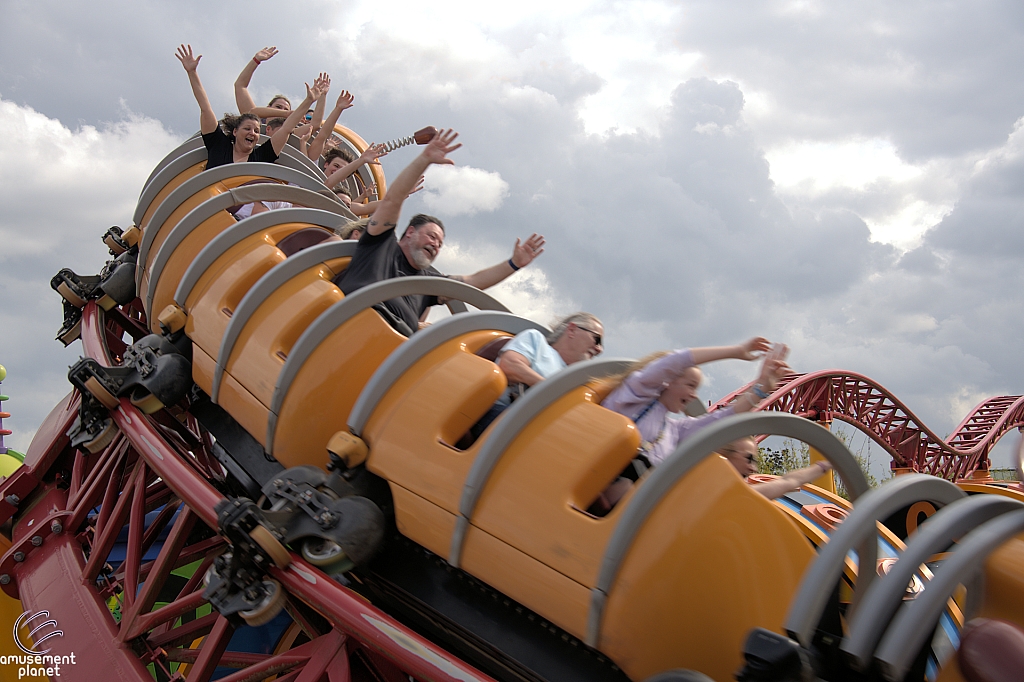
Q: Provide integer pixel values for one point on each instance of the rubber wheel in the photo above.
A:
(103, 440)
(106, 302)
(271, 605)
(71, 335)
(269, 544)
(113, 245)
(148, 404)
(70, 296)
(326, 555)
(93, 385)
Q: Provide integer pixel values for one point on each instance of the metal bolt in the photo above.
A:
(56, 528)
(36, 540)
(12, 499)
(278, 483)
(5, 579)
(19, 556)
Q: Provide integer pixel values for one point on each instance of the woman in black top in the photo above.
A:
(238, 140)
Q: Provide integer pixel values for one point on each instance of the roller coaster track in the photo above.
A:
(857, 400)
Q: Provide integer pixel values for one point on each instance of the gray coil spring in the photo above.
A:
(399, 143)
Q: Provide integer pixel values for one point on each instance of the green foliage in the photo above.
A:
(796, 455)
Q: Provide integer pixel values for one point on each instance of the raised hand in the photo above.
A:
(303, 131)
(372, 153)
(439, 147)
(184, 55)
(417, 188)
(524, 253)
(323, 82)
(313, 93)
(264, 54)
(368, 192)
(774, 367)
(345, 100)
(754, 348)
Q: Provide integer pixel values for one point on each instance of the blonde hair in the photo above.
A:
(346, 230)
(637, 365)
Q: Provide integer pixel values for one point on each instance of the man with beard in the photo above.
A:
(380, 256)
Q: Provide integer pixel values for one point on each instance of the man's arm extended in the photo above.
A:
(390, 207)
(522, 255)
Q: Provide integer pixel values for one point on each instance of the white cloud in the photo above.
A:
(59, 190)
(819, 166)
(463, 190)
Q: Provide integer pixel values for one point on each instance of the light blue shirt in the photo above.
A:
(543, 359)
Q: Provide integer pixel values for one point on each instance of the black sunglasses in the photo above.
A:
(597, 337)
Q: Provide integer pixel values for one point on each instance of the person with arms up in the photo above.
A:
(237, 142)
(379, 256)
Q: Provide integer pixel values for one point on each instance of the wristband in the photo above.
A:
(256, 60)
(819, 465)
(758, 391)
(512, 265)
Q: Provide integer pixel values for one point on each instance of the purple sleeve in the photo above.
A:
(645, 385)
(687, 426)
(648, 383)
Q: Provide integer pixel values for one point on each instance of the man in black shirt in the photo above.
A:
(380, 256)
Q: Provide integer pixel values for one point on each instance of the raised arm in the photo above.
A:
(773, 369)
(436, 152)
(371, 154)
(207, 119)
(242, 97)
(280, 137)
(323, 84)
(316, 147)
(750, 350)
(522, 255)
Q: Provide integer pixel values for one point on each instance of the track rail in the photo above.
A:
(857, 400)
(159, 466)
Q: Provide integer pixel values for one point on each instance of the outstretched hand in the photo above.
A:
(184, 55)
(345, 100)
(754, 348)
(524, 253)
(322, 84)
(265, 54)
(372, 153)
(313, 93)
(774, 367)
(442, 145)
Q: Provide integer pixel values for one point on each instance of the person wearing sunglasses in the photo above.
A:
(743, 455)
(530, 357)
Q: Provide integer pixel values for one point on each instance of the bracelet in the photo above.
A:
(512, 265)
(758, 391)
(819, 465)
(256, 60)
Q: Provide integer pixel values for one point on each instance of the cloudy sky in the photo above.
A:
(843, 177)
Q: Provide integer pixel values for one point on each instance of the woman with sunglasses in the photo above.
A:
(743, 455)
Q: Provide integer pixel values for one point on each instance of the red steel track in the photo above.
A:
(57, 561)
(853, 398)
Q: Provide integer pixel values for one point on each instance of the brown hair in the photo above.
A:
(231, 122)
(637, 365)
(277, 97)
(339, 152)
